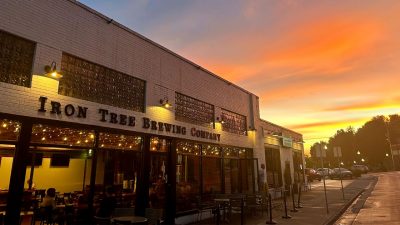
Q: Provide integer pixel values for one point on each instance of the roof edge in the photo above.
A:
(281, 127)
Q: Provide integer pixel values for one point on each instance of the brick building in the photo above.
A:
(125, 113)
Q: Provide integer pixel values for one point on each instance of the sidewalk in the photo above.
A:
(313, 202)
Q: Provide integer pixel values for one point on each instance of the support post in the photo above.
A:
(270, 221)
(298, 197)
(18, 172)
(293, 203)
(286, 216)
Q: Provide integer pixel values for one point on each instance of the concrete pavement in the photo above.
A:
(380, 206)
(313, 202)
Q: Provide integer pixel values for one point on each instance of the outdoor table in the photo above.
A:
(131, 219)
(224, 202)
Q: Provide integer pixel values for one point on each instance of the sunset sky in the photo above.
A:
(317, 66)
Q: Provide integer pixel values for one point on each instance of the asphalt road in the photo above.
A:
(380, 204)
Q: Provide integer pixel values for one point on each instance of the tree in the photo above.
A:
(345, 139)
(371, 141)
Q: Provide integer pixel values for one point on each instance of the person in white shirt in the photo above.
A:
(49, 199)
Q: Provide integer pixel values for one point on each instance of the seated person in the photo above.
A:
(50, 199)
(107, 204)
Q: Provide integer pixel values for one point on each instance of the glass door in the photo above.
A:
(159, 149)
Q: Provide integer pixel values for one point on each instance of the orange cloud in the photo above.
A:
(327, 47)
(365, 106)
(327, 124)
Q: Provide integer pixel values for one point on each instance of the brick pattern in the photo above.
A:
(59, 26)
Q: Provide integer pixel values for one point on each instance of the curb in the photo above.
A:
(332, 219)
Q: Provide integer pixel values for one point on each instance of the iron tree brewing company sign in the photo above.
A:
(108, 116)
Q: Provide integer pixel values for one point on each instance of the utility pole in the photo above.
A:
(390, 143)
(321, 153)
(337, 153)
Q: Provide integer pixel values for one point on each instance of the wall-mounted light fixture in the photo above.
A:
(252, 128)
(220, 120)
(165, 103)
(51, 71)
(277, 134)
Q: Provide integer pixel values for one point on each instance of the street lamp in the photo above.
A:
(321, 153)
(390, 143)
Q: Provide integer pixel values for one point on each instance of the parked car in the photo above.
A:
(341, 172)
(359, 168)
(312, 175)
(324, 171)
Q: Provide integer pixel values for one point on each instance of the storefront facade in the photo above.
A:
(284, 156)
(126, 113)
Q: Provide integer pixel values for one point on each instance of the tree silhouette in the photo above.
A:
(371, 140)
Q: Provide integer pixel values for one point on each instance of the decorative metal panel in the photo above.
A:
(233, 122)
(194, 111)
(16, 59)
(88, 81)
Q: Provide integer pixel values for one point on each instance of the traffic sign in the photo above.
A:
(337, 152)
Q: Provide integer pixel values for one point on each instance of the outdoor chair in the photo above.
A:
(203, 206)
(154, 216)
(253, 203)
(236, 206)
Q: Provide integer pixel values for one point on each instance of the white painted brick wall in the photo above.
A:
(64, 26)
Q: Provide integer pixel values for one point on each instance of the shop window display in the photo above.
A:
(158, 172)
(231, 170)
(187, 175)
(118, 166)
(9, 133)
(211, 169)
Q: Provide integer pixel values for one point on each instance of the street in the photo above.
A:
(380, 206)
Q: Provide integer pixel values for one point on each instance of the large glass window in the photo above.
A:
(159, 148)
(61, 136)
(211, 169)
(16, 59)
(118, 165)
(59, 158)
(187, 175)
(298, 166)
(231, 170)
(273, 167)
(89, 81)
(9, 132)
